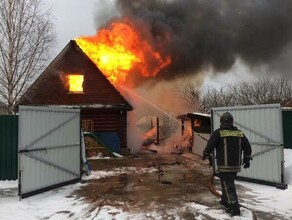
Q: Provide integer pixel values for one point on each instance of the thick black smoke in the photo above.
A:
(214, 33)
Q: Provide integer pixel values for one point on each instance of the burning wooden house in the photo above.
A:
(85, 73)
(72, 80)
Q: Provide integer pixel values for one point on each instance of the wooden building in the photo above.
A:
(103, 108)
(200, 124)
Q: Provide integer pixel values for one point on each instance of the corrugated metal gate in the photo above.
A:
(262, 124)
(8, 147)
(49, 148)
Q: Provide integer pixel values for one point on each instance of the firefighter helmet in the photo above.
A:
(226, 118)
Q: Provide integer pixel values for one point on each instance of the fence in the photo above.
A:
(287, 127)
(8, 147)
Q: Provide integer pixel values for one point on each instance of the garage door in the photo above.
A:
(262, 124)
(49, 148)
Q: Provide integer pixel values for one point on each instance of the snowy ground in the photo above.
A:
(60, 204)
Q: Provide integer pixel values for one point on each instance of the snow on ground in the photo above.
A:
(60, 204)
(270, 199)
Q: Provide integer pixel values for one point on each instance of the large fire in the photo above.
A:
(120, 51)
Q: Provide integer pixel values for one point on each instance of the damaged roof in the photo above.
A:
(194, 115)
(51, 87)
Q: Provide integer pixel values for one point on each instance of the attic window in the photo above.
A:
(76, 83)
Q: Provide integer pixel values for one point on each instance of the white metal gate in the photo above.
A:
(49, 148)
(262, 125)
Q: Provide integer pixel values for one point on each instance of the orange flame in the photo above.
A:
(75, 83)
(197, 123)
(120, 51)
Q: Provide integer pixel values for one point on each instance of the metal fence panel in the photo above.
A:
(8, 147)
(49, 148)
(199, 143)
(287, 127)
(262, 124)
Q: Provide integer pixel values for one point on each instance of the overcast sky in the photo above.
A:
(75, 18)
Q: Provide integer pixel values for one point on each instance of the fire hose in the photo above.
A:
(211, 184)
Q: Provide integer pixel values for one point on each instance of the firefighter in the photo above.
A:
(229, 143)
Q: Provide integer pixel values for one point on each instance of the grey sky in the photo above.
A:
(75, 18)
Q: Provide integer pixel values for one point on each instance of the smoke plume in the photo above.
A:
(199, 34)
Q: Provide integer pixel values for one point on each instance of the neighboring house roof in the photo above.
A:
(195, 115)
(51, 87)
(202, 121)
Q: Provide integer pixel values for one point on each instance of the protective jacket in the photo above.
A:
(229, 142)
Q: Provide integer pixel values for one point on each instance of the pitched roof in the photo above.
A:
(51, 87)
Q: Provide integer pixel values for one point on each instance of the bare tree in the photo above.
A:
(26, 35)
(261, 91)
(203, 99)
(190, 92)
(213, 97)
